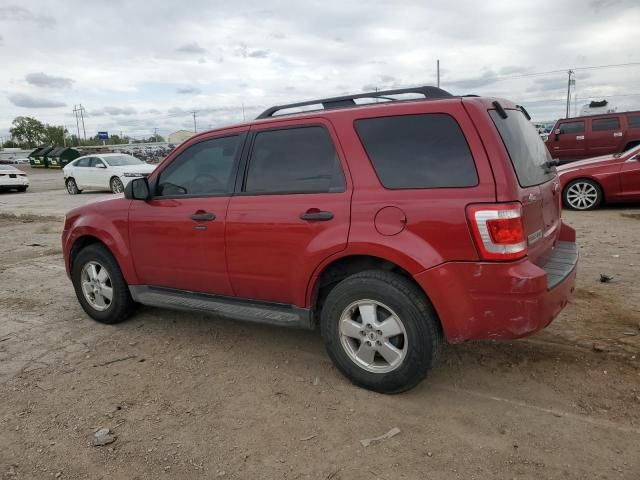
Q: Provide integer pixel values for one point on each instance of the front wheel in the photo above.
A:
(582, 194)
(100, 287)
(116, 185)
(380, 331)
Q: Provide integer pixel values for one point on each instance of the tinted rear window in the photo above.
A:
(604, 124)
(418, 151)
(525, 147)
(634, 121)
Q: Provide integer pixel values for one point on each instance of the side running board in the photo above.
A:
(235, 309)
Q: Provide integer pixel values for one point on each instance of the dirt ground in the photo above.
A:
(193, 396)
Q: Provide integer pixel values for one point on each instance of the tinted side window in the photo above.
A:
(418, 151)
(83, 162)
(572, 127)
(95, 162)
(603, 124)
(294, 160)
(202, 169)
(634, 121)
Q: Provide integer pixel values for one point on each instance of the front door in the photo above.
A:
(292, 213)
(605, 136)
(567, 142)
(630, 178)
(177, 237)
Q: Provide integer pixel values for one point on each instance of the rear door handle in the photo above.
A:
(320, 216)
(203, 217)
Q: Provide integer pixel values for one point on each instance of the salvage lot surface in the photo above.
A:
(193, 396)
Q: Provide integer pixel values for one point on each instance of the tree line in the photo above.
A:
(28, 132)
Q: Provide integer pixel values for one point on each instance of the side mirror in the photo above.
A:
(137, 189)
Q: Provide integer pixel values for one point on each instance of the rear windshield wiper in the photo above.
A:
(549, 165)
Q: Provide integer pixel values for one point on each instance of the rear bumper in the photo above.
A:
(491, 300)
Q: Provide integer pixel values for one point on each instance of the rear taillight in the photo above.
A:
(498, 230)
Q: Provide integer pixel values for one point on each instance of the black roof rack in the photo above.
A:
(346, 101)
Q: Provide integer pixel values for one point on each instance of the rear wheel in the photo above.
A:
(582, 194)
(72, 186)
(100, 287)
(380, 331)
(116, 185)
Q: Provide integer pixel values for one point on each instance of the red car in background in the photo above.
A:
(610, 178)
(590, 136)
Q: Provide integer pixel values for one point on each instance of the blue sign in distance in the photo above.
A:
(103, 135)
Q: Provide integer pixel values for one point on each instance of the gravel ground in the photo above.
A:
(192, 396)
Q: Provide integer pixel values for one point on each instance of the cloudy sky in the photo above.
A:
(136, 66)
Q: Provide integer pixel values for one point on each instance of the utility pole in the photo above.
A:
(84, 131)
(75, 112)
(243, 119)
(195, 130)
(438, 72)
(155, 134)
(570, 81)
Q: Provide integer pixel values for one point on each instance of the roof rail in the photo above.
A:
(346, 101)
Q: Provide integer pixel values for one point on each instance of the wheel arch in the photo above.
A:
(332, 272)
(113, 242)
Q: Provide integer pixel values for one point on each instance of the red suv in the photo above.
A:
(594, 135)
(389, 223)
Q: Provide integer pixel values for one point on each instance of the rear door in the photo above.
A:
(98, 174)
(605, 136)
(292, 211)
(81, 172)
(539, 190)
(567, 141)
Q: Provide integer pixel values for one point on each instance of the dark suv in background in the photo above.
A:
(594, 135)
(388, 221)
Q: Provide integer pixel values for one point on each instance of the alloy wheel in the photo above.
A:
(96, 286)
(373, 336)
(72, 188)
(582, 195)
(116, 185)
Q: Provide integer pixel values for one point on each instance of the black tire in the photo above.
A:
(122, 305)
(72, 186)
(572, 203)
(408, 302)
(116, 185)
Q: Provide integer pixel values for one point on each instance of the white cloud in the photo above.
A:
(133, 66)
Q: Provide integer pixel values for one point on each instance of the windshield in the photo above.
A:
(122, 160)
(628, 153)
(529, 155)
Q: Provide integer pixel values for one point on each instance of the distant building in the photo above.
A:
(179, 136)
(595, 108)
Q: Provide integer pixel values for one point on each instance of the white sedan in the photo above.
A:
(107, 171)
(13, 179)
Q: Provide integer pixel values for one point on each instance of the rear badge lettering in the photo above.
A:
(534, 237)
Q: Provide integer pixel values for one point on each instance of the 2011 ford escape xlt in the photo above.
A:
(390, 222)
